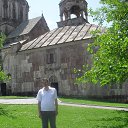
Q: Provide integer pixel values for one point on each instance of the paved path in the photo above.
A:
(34, 101)
(18, 101)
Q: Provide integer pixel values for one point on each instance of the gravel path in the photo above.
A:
(34, 101)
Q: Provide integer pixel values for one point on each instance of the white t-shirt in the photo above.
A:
(47, 99)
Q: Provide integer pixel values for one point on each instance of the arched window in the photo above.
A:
(21, 13)
(14, 11)
(5, 6)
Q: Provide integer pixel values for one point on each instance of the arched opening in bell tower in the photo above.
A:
(75, 10)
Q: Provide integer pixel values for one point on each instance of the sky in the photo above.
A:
(50, 10)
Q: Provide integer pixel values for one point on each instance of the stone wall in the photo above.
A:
(28, 67)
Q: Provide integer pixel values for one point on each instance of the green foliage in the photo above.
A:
(3, 76)
(110, 61)
(2, 39)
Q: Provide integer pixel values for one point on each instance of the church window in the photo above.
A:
(14, 11)
(50, 58)
(21, 13)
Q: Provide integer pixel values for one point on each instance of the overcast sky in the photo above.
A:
(50, 9)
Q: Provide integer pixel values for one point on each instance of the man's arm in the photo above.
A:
(56, 104)
(39, 109)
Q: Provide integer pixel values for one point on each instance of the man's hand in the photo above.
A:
(40, 114)
(56, 112)
(56, 104)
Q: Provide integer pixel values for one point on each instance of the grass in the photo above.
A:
(25, 116)
(93, 102)
(15, 97)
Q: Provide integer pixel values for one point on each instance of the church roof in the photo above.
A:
(24, 28)
(62, 35)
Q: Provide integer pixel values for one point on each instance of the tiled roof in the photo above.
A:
(62, 35)
(24, 28)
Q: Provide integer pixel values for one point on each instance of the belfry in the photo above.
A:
(75, 8)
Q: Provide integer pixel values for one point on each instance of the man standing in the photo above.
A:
(47, 104)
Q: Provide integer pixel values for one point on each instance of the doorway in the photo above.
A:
(55, 85)
(3, 89)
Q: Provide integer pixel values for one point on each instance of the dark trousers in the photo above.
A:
(48, 116)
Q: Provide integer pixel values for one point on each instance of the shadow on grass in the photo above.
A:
(123, 118)
(96, 99)
(5, 112)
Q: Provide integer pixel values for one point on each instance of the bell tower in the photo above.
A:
(73, 12)
(12, 13)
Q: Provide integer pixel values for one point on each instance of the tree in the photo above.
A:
(3, 75)
(2, 39)
(110, 61)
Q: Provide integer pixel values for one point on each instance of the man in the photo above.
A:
(47, 104)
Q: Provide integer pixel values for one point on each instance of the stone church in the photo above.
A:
(32, 51)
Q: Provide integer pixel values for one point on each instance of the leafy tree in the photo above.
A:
(110, 60)
(2, 39)
(3, 76)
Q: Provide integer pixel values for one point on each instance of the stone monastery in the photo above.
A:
(32, 51)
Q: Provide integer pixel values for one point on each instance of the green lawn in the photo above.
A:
(15, 97)
(25, 116)
(93, 102)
